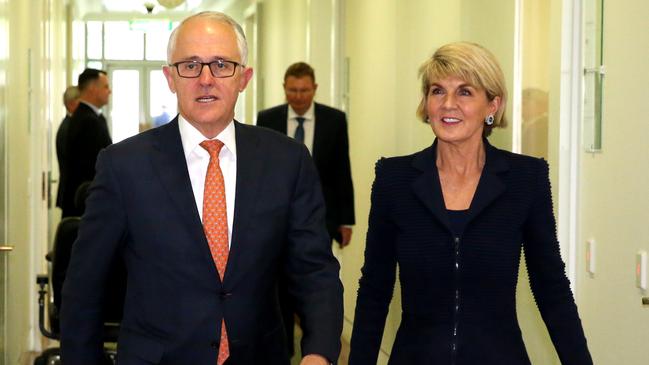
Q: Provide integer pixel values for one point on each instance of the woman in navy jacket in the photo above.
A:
(454, 217)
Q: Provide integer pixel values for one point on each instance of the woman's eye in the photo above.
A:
(435, 91)
(465, 92)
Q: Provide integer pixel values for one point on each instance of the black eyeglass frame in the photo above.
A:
(209, 66)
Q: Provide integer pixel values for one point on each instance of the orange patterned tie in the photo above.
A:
(215, 225)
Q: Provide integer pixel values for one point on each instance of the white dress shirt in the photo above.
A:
(198, 159)
(309, 125)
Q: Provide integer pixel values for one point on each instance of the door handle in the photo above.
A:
(6, 248)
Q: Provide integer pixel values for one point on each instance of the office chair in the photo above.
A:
(66, 234)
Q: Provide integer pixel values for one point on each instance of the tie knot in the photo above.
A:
(300, 120)
(213, 146)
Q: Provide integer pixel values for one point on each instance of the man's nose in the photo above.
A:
(206, 74)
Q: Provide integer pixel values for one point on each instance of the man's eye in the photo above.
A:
(220, 64)
(190, 66)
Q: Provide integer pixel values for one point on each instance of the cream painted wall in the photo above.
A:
(613, 194)
(491, 24)
(6, 325)
(421, 27)
(371, 49)
(283, 42)
(536, 18)
(34, 75)
(19, 187)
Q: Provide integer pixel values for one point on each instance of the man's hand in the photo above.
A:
(313, 359)
(346, 235)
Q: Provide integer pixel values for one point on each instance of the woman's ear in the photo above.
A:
(494, 105)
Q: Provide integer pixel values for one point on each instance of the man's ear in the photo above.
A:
(245, 78)
(166, 70)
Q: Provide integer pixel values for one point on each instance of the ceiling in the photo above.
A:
(124, 9)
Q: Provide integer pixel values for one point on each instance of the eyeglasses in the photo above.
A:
(218, 68)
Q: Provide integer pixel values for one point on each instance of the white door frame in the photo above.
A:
(570, 135)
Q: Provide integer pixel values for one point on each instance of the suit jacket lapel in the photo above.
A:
(318, 131)
(427, 187)
(491, 185)
(281, 120)
(249, 176)
(168, 159)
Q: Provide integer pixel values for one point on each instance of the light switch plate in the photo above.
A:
(590, 256)
(641, 270)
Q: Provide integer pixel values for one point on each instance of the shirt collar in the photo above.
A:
(308, 115)
(191, 137)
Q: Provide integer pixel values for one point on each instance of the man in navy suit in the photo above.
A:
(145, 206)
(87, 135)
(324, 131)
(71, 102)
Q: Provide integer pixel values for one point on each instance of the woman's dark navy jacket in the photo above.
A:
(464, 314)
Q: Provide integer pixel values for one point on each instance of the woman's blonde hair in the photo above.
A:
(471, 63)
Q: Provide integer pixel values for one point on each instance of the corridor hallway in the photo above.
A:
(587, 62)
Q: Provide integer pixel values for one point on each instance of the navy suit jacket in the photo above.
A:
(87, 134)
(61, 145)
(141, 207)
(458, 292)
(331, 157)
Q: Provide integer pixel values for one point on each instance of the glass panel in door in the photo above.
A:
(125, 103)
(162, 102)
(535, 78)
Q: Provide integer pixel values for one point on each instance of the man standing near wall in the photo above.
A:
(71, 102)
(87, 135)
(324, 132)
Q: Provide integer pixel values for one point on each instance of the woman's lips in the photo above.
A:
(450, 120)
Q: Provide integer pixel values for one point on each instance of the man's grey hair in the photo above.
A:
(70, 94)
(219, 17)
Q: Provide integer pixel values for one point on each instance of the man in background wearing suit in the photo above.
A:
(87, 135)
(71, 102)
(206, 213)
(324, 131)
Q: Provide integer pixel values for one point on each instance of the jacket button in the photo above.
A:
(214, 345)
(224, 295)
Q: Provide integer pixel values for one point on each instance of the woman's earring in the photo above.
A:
(489, 120)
